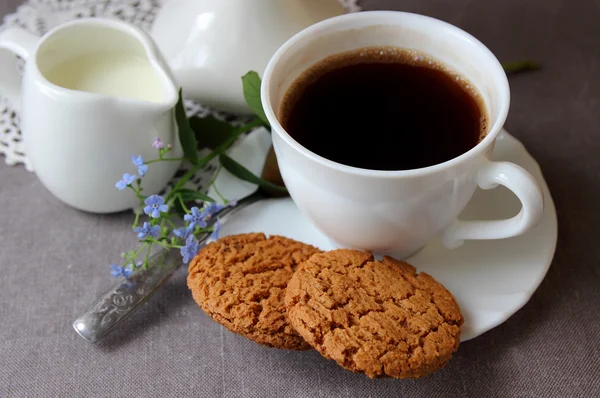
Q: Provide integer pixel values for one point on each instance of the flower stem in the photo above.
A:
(165, 160)
(216, 175)
(135, 255)
(223, 198)
(218, 150)
(137, 218)
(165, 245)
(147, 256)
(183, 206)
(171, 223)
(212, 184)
(163, 151)
(137, 190)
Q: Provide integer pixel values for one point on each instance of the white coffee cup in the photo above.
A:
(398, 211)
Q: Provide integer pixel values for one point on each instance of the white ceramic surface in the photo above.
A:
(398, 211)
(211, 44)
(491, 280)
(79, 143)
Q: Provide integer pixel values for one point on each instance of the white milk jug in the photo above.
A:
(94, 92)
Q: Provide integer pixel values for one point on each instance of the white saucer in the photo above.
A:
(491, 280)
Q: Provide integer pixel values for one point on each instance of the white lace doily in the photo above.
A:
(38, 16)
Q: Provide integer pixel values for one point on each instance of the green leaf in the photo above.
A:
(186, 135)
(177, 208)
(220, 149)
(188, 195)
(520, 66)
(244, 174)
(210, 131)
(251, 85)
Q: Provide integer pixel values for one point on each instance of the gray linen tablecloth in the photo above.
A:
(53, 261)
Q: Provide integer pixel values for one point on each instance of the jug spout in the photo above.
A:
(140, 73)
(145, 84)
(140, 111)
(163, 90)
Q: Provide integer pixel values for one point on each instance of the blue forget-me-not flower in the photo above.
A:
(217, 229)
(121, 271)
(148, 230)
(183, 232)
(196, 218)
(190, 249)
(138, 162)
(127, 179)
(155, 205)
(211, 208)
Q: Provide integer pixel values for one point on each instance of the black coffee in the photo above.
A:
(384, 109)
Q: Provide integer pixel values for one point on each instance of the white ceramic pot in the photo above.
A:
(211, 44)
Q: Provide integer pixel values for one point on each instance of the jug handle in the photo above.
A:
(21, 43)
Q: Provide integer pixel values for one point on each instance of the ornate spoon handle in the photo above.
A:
(126, 295)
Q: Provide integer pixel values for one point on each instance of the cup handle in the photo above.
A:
(522, 184)
(23, 44)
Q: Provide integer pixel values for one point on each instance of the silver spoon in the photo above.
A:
(127, 294)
